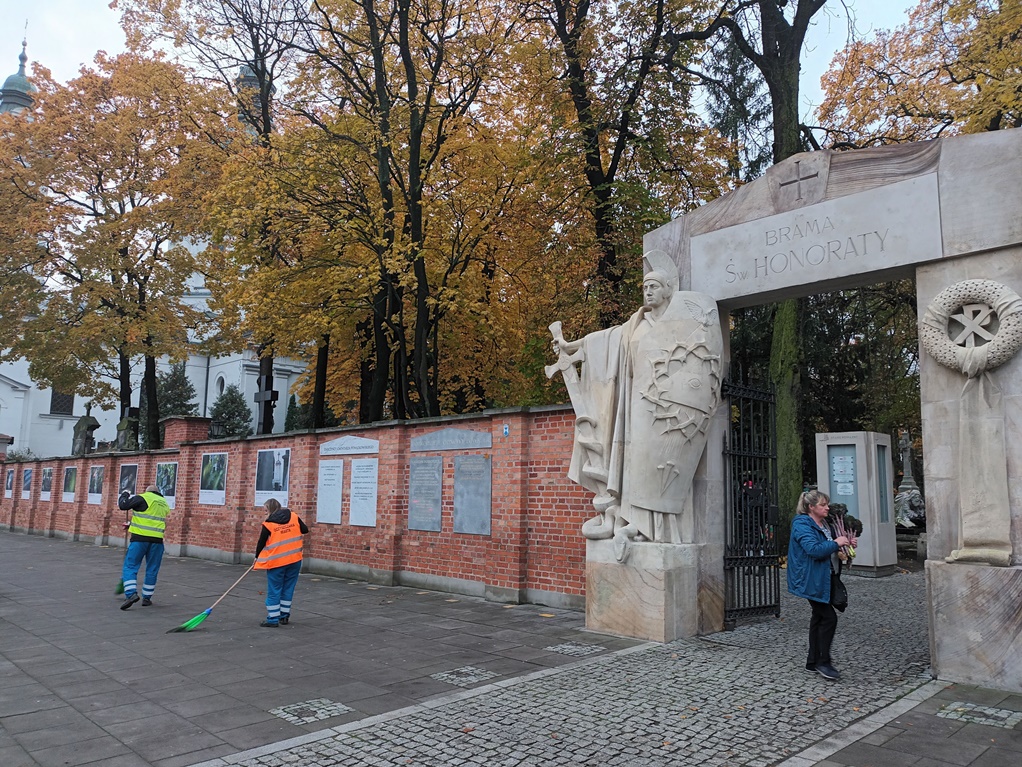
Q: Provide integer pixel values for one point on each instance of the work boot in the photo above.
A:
(269, 624)
(284, 619)
(146, 601)
(129, 601)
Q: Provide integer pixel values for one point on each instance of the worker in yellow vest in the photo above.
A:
(279, 553)
(148, 523)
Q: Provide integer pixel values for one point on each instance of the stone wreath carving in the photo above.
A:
(987, 311)
(973, 327)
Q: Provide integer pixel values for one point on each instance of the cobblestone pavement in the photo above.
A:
(736, 698)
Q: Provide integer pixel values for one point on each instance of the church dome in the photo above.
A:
(16, 94)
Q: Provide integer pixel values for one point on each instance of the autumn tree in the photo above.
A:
(954, 67)
(395, 82)
(622, 103)
(107, 173)
(247, 47)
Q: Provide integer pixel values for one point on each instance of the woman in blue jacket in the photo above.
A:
(810, 549)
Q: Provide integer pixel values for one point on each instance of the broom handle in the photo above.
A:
(232, 587)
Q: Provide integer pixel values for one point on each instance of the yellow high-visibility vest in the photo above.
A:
(152, 521)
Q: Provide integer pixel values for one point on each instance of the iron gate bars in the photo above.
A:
(751, 555)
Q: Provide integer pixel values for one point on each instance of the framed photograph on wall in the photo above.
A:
(9, 484)
(46, 484)
(95, 485)
(166, 482)
(26, 484)
(213, 479)
(273, 469)
(128, 478)
(70, 482)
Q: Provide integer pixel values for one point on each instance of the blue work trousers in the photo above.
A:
(280, 588)
(153, 553)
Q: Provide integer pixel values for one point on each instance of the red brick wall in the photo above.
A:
(535, 540)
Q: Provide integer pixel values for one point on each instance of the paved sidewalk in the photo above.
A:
(371, 675)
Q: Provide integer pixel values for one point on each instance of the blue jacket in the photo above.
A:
(809, 553)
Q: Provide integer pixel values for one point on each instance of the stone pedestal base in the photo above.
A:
(873, 571)
(976, 624)
(662, 592)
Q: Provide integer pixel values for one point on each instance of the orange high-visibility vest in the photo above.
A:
(284, 545)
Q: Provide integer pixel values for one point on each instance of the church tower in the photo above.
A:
(16, 95)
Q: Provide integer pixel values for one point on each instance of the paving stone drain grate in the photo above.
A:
(574, 649)
(976, 714)
(310, 711)
(466, 676)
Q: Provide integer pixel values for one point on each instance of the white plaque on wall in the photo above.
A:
(363, 493)
(330, 492)
(350, 446)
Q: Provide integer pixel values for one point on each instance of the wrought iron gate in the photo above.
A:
(751, 556)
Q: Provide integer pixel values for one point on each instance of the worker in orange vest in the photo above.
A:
(279, 553)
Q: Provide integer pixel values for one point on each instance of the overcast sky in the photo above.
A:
(64, 34)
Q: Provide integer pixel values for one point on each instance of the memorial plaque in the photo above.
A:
(452, 439)
(330, 492)
(364, 490)
(472, 494)
(350, 446)
(425, 486)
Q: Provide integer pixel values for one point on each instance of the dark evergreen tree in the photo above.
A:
(293, 416)
(738, 107)
(175, 396)
(175, 392)
(231, 413)
(303, 416)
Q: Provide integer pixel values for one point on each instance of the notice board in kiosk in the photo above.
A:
(855, 468)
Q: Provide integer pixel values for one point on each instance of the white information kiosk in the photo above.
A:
(855, 468)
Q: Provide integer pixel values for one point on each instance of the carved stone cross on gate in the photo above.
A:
(799, 178)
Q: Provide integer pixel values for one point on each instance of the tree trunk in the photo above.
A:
(785, 375)
(319, 389)
(124, 381)
(153, 438)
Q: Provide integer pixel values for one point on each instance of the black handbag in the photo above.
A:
(838, 593)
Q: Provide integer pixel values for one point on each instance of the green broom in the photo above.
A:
(192, 623)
